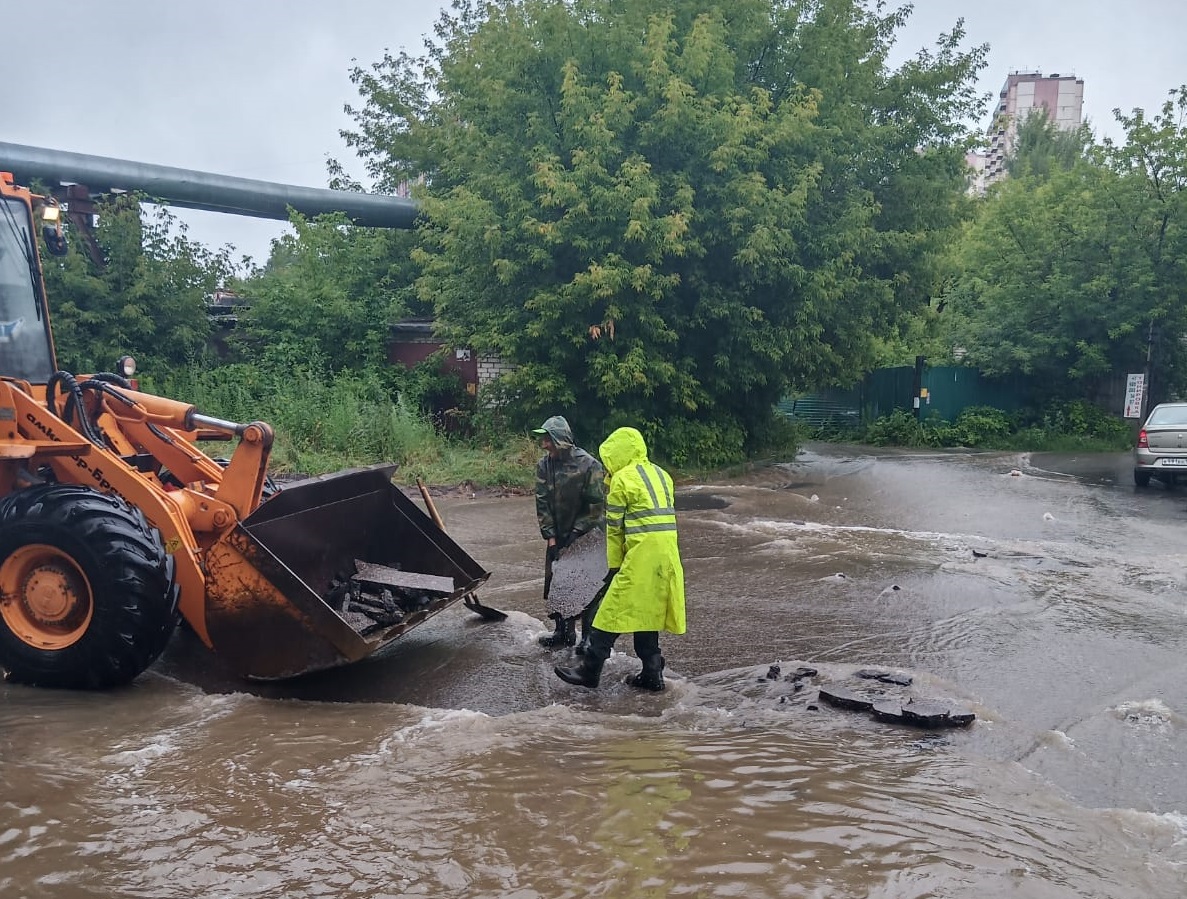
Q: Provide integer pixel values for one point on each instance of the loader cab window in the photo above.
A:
(24, 331)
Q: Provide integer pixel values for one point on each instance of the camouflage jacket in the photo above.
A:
(570, 489)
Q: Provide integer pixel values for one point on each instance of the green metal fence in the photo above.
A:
(948, 391)
(835, 409)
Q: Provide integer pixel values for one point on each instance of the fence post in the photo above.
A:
(917, 386)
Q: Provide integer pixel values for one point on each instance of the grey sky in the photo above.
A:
(255, 88)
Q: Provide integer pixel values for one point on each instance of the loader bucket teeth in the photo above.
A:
(328, 571)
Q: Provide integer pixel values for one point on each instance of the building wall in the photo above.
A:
(490, 369)
(1060, 97)
(409, 346)
(409, 351)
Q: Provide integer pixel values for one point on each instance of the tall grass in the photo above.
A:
(325, 423)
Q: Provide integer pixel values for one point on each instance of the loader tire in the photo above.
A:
(88, 598)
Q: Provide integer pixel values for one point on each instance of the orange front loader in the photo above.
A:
(112, 521)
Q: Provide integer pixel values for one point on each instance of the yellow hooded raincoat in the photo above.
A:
(647, 594)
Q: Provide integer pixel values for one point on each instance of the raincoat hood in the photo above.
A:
(558, 430)
(622, 448)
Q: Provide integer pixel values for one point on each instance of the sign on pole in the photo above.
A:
(1135, 388)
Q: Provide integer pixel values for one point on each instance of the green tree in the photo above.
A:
(329, 292)
(1151, 220)
(1042, 146)
(669, 213)
(1073, 273)
(146, 299)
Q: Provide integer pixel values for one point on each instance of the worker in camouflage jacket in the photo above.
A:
(570, 507)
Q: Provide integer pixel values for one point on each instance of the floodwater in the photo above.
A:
(1047, 594)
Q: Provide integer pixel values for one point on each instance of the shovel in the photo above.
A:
(470, 600)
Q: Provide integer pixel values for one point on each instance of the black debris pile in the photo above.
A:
(774, 672)
(798, 678)
(374, 597)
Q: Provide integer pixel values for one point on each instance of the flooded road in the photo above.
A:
(1046, 593)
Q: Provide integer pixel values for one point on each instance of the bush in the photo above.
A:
(1082, 419)
(899, 428)
(438, 392)
(684, 442)
(982, 426)
(780, 436)
(1075, 426)
(1071, 426)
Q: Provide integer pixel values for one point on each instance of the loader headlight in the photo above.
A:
(50, 213)
(126, 366)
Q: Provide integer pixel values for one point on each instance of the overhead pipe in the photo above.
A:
(191, 189)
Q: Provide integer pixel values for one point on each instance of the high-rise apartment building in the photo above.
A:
(1059, 97)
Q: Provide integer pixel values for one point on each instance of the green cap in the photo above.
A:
(539, 432)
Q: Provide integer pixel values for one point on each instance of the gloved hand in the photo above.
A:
(552, 553)
(609, 576)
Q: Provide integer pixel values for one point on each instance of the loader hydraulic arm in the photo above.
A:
(166, 428)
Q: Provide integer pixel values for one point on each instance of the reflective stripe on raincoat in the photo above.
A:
(647, 594)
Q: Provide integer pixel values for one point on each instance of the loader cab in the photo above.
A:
(26, 347)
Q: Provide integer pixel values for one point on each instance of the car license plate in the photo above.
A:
(1174, 461)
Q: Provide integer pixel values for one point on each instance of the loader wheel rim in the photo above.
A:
(45, 598)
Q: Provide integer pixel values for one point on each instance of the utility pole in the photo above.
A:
(917, 386)
(1148, 372)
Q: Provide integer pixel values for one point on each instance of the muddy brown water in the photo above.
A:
(1045, 593)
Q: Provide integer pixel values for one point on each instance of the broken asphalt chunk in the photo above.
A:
(888, 711)
(845, 699)
(870, 674)
(886, 677)
(932, 713)
(927, 713)
(383, 576)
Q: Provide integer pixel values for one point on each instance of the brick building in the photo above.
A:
(412, 341)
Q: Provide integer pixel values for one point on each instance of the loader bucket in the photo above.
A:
(328, 571)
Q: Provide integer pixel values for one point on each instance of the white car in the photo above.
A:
(1162, 445)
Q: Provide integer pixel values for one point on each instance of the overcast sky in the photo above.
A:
(256, 88)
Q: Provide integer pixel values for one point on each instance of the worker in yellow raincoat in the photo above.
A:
(645, 593)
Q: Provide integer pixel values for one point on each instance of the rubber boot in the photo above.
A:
(587, 617)
(651, 677)
(564, 635)
(587, 674)
(549, 641)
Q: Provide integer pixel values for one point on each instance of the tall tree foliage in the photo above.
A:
(1152, 215)
(1042, 147)
(146, 299)
(329, 293)
(1075, 273)
(668, 213)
